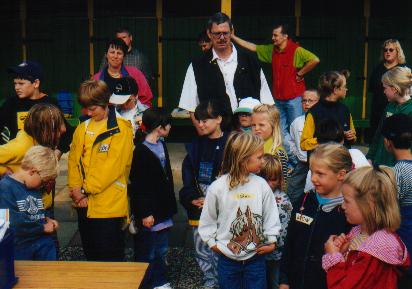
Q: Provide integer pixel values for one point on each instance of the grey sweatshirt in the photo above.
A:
(241, 219)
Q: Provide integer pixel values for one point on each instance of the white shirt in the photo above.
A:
(296, 129)
(189, 98)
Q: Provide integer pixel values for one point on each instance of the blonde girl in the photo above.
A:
(315, 216)
(332, 89)
(240, 219)
(396, 83)
(266, 124)
(272, 173)
(371, 255)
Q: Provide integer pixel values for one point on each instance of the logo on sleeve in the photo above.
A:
(30, 205)
(104, 148)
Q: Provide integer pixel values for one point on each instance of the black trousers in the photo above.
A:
(102, 238)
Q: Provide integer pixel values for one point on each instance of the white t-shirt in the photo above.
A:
(296, 129)
(189, 98)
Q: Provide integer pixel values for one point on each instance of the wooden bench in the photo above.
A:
(85, 275)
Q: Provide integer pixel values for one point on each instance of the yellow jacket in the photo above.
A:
(308, 141)
(12, 154)
(108, 171)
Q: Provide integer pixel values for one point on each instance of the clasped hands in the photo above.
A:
(80, 200)
(337, 244)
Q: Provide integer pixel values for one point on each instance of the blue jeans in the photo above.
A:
(272, 273)
(297, 181)
(43, 249)
(249, 274)
(289, 110)
(152, 247)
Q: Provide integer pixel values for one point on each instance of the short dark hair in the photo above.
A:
(123, 30)
(398, 129)
(117, 43)
(212, 109)
(284, 27)
(219, 18)
(203, 37)
(329, 130)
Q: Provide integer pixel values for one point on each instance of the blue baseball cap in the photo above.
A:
(29, 70)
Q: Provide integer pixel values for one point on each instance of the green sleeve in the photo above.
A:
(264, 52)
(302, 56)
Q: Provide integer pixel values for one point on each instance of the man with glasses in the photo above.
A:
(296, 183)
(224, 72)
(290, 63)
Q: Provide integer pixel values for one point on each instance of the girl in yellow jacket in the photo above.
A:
(99, 165)
(43, 126)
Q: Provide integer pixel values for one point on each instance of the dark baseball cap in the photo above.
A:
(396, 125)
(29, 70)
(124, 88)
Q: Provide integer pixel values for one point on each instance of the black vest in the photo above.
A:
(210, 82)
(337, 111)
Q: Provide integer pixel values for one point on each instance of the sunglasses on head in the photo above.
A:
(389, 50)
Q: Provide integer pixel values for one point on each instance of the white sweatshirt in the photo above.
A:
(241, 219)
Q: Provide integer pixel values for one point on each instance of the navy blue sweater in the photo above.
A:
(202, 149)
(27, 215)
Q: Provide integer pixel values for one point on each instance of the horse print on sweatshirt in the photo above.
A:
(247, 232)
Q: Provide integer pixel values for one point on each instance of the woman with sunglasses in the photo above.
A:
(391, 56)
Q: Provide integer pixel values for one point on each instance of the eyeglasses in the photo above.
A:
(389, 50)
(308, 101)
(217, 35)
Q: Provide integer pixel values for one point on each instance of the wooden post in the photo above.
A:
(226, 7)
(298, 14)
(159, 18)
(23, 19)
(90, 16)
(367, 14)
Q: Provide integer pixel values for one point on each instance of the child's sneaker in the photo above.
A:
(165, 286)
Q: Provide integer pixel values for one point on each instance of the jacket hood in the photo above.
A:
(385, 246)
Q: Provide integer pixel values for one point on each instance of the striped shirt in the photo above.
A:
(403, 173)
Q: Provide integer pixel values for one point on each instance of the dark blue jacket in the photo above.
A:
(301, 264)
(190, 173)
(27, 215)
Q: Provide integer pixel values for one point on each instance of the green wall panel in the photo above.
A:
(60, 45)
(179, 47)
(11, 54)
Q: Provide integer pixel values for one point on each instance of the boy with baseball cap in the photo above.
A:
(243, 114)
(27, 78)
(125, 99)
(397, 133)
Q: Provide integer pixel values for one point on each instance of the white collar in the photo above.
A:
(232, 56)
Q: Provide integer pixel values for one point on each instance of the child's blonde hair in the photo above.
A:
(335, 156)
(376, 196)
(272, 170)
(43, 160)
(399, 78)
(239, 148)
(274, 121)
